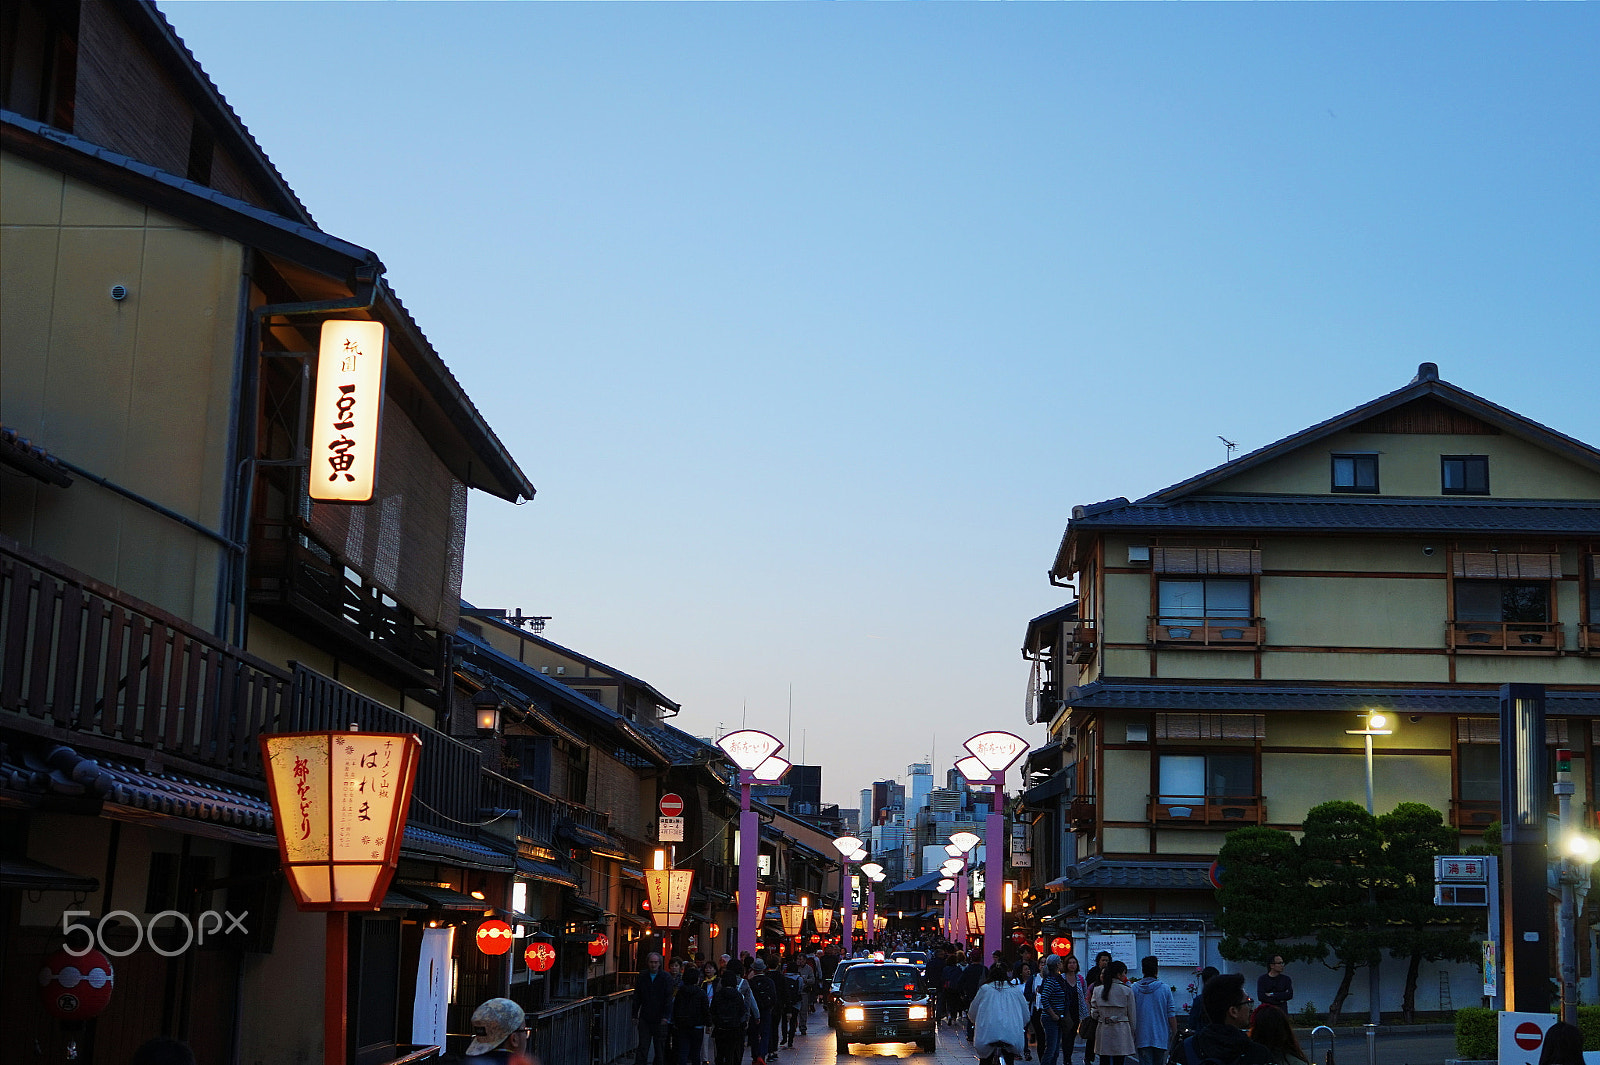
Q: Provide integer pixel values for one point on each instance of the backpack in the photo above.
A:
(790, 988)
(728, 1011)
(1190, 1054)
(766, 993)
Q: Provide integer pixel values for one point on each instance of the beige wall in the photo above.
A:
(135, 390)
(268, 641)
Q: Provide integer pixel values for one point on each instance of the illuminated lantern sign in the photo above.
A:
(540, 956)
(75, 988)
(1038, 944)
(339, 802)
(823, 919)
(713, 930)
(599, 945)
(1061, 946)
(494, 937)
(793, 916)
(669, 895)
(346, 415)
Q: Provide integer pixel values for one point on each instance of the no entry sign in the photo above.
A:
(671, 804)
(1528, 1035)
(1521, 1036)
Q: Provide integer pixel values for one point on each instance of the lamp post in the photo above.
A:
(998, 752)
(1377, 725)
(848, 847)
(874, 873)
(750, 750)
(1578, 853)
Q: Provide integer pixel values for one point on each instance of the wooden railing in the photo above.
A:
(1589, 634)
(1169, 631)
(538, 813)
(1083, 642)
(1521, 637)
(82, 656)
(618, 1034)
(563, 1035)
(1474, 815)
(1204, 810)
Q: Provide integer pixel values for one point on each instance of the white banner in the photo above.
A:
(433, 987)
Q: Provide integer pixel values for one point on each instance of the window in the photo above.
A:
(1498, 601)
(1480, 772)
(1186, 777)
(1355, 472)
(1464, 475)
(1183, 602)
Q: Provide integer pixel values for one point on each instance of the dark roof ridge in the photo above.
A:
(1368, 501)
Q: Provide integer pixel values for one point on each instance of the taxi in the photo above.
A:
(884, 1002)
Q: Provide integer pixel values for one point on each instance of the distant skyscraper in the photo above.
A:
(805, 786)
(919, 781)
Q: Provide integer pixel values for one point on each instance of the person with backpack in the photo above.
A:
(690, 1012)
(764, 1026)
(1223, 1040)
(1059, 1013)
(972, 978)
(1154, 1020)
(789, 1002)
(809, 979)
(730, 1018)
(1000, 1018)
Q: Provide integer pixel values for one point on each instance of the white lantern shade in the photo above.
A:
(823, 919)
(974, 770)
(847, 845)
(997, 750)
(872, 869)
(965, 840)
(346, 414)
(771, 769)
(669, 895)
(859, 856)
(749, 747)
(946, 884)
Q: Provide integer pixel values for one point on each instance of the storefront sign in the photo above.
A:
(347, 412)
(428, 1013)
(1122, 946)
(669, 895)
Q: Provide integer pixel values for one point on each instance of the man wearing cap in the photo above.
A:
(498, 1033)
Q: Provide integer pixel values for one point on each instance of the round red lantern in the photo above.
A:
(1038, 944)
(599, 945)
(1019, 938)
(494, 937)
(1061, 946)
(540, 956)
(75, 989)
(714, 930)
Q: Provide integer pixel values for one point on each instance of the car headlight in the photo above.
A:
(919, 1013)
(855, 1013)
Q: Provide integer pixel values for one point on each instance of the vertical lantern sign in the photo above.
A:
(669, 895)
(346, 415)
(339, 800)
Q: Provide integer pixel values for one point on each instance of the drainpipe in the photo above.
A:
(367, 280)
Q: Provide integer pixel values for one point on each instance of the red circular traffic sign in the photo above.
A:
(1528, 1035)
(671, 804)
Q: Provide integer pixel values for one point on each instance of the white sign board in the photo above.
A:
(1175, 948)
(670, 830)
(1122, 946)
(1522, 1038)
(346, 415)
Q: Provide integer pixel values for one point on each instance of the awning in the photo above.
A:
(577, 905)
(550, 874)
(592, 840)
(30, 875)
(633, 874)
(432, 897)
(1056, 785)
(925, 882)
(1099, 874)
(425, 842)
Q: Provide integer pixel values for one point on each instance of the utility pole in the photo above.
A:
(1567, 915)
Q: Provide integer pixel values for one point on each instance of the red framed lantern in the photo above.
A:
(1038, 944)
(1061, 946)
(540, 956)
(599, 945)
(75, 988)
(494, 937)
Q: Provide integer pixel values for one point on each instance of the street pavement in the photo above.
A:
(1395, 1046)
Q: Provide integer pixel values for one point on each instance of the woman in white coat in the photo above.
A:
(1111, 1005)
(1000, 1014)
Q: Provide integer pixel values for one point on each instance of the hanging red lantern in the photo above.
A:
(75, 988)
(1038, 945)
(1061, 946)
(540, 956)
(1019, 938)
(494, 937)
(713, 930)
(599, 945)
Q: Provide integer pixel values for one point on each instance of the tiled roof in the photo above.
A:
(1097, 874)
(1215, 698)
(682, 748)
(925, 882)
(424, 842)
(1291, 513)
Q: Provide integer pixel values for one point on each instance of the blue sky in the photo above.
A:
(812, 322)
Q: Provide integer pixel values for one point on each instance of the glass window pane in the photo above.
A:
(1477, 600)
(1454, 475)
(1181, 601)
(1480, 772)
(1525, 601)
(1344, 472)
(1231, 775)
(1475, 476)
(1367, 471)
(1227, 599)
(1183, 777)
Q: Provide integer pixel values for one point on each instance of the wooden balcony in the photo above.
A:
(1589, 637)
(1205, 811)
(1473, 815)
(1083, 642)
(1504, 637)
(1209, 633)
(1080, 812)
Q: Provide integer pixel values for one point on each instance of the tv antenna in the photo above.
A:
(1231, 446)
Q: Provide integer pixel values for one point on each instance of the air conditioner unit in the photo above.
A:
(1138, 553)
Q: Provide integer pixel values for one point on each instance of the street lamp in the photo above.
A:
(1578, 852)
(848, 847)
(750, 750)
(874, 873)
(1377, 725)
(998, 751)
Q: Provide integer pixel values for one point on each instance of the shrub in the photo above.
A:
(1589, 1022)
(1477, 1033)
(1308, 1015)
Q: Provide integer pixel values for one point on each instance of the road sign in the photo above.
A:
(671, 804)
(1521, 1036)
(1461, 869)
(670, 830)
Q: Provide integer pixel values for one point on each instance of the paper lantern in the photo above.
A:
(793, 916)
(1038, 944)
(494, 937)
(599, 945)
(75, 988)
(669, 895)
(540, 956)
(339, 802)
(1061, 946)
(823, 919)
(713, 930)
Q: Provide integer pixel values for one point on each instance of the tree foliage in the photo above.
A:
(1413, 834)
(1263, 897)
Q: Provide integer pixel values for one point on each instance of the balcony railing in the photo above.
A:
(1589, 636)
(1083, 642)
(1517, 637)
(1080, 812)
(1168, 631)
(1474, 815)
(83, 657)
(1204, 810)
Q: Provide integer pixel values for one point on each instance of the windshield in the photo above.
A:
(883, 981)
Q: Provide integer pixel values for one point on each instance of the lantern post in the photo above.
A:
(754, 752)
(850, 850)
(996, 752)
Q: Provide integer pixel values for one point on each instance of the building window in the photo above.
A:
(1464, 475)
(1196, 601)
(1355, 472)
(1217, 775)
(1503, 601)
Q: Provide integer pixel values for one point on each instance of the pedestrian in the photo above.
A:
(1274, 988)
(1223, 1038)
(690, 1011)
(499, 1035)
(652, 1011)
(763, 1038)
(1060, 1013)
(1271, 1028)
(999, 1015)
(809, 979)
(730, 1018)
(1078, 992)
(1098, 969)
(972, 978)
(1563, 1045)
(789, 991)
(1030, 991)
(949, 987)
(1154, 1020)
(1197, 1010)
(1115, 1033)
